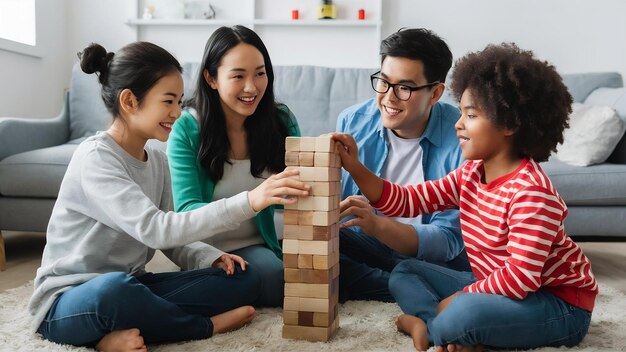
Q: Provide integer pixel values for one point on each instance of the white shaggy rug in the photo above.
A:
(365, 326)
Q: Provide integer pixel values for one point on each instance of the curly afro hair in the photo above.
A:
(517, 92)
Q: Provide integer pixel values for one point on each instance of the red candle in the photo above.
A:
(295, 14)
(361, 14)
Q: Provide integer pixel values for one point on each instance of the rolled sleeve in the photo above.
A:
(433, 243)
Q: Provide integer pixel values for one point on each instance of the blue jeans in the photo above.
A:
(540, 319)
(270, 269)
(366, 263)
(165, 307)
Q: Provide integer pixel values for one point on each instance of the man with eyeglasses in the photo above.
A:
(407, 136)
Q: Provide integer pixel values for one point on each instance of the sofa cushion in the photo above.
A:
(88, 114)
(615, 98)
(316, 95)
(602, 184)
(593, 133)
(580, 85)
(37, 173)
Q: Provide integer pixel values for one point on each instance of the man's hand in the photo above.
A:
(227, 263)
(365, 217)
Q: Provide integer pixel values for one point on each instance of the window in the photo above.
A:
(18, 26)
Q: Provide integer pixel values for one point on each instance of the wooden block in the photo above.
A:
(301, 232)
(325, 189)
(292, 144)
(290, 261)
(324, 144)
(305, 217)
(290, 217)
(305, 318)
(297, 289)
(305, 203)
(324, 233)
(291, 232)
(324, 218)
(327, 160)
(315, 334)
(325, 203)
(323, 174)
(290, 317)
(293, 275)
(293, 206)
(291, 246)
(307, 144)
(292, 158)
(325, 319)
(325, 262)
(305, 261)
(323, 305)
(311, 276)
(306, 158)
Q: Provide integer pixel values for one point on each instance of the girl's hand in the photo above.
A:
(281, 188)
(348, 151)
(227, 263)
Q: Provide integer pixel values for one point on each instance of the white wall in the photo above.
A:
(575, 35)
(34, 86)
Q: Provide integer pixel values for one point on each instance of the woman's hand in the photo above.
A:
(282, 188)
(227, 263)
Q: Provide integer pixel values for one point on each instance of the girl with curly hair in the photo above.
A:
(530, 284)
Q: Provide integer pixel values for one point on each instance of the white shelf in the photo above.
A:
(309, 23)
(320, 23)
(167, 22)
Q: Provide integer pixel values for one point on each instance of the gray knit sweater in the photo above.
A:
(111, 214)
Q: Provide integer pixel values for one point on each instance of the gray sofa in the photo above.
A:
(34, 153)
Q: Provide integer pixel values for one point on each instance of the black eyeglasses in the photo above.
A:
(401, 91)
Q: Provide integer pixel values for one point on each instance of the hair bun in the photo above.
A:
(95, 58)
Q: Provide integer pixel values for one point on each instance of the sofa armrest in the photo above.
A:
(19, 135)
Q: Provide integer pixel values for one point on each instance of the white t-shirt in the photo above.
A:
(404, 166)
(236, 179)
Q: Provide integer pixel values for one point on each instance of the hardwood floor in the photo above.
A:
(24, 257)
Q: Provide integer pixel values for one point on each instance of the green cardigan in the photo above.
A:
(191, 186)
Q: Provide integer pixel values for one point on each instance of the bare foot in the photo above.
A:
(233, 319)
(460, 348)
(416, 328)
(122, 341)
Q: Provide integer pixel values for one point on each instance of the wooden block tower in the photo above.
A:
(311, 242)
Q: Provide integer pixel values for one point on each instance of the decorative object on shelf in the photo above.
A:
(199, 9)
(361, 15)
(327, 10)
(295, 14)
(148, 12)
(167, 9)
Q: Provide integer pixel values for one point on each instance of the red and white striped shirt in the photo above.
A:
(512, 229)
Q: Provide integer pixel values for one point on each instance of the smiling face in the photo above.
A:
(159, 109)
(479, 137)
(408, 118)
(241, 81)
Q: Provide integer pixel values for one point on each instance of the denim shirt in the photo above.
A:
(439, 234)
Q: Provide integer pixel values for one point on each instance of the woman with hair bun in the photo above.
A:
(115, 208)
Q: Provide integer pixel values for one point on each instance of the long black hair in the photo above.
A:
(138, 66)
(265, 132)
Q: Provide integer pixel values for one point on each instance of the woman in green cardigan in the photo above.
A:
(230, 140)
